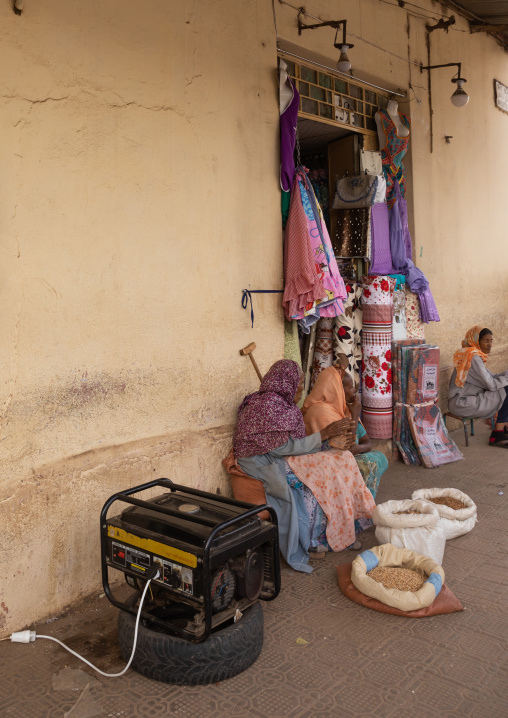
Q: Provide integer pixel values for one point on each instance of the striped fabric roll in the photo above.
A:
(377, 402)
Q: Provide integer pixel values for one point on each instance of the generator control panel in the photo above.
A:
(174, 575)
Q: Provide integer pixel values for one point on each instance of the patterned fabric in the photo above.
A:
(462, 357)
(380, 241)
(317, 517)
(414, 325)
(324, 259)
(347, 336)
(397, 347)
(434, 445)
(419, 431)
(319, 181)
(268, 417)
(337, 484)
(423, 375)
(352, 237)
(323, 353)
(291, 342)
(399, 419)
(399, 315)
(377, 409)
(392, 155)
(303, 285)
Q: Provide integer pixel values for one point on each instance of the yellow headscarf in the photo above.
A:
(463, 357)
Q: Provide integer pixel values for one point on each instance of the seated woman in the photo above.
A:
(270, 428)
(334, 397)
(474, 391)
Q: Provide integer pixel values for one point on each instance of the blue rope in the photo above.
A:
(247, 294)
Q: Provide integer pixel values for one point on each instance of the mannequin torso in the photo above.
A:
(400, 128)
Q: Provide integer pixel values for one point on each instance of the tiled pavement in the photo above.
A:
(355, 662)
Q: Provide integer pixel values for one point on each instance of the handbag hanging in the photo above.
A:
(359, 191)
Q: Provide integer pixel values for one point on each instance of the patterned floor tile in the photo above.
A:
(356, 663)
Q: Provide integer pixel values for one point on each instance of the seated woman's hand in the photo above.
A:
(344, 443)
(355, 406)
(342, 428)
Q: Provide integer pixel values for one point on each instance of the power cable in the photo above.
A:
(29, 636)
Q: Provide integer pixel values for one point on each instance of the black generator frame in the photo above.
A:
(126, 497)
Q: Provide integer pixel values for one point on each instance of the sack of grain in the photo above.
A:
(457, 512)
(411, 524)
(391, 556)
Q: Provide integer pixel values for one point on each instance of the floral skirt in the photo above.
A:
(372, 466)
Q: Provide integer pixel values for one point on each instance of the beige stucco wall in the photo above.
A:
(138, 196)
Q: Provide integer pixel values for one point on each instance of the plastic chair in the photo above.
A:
(463, 419)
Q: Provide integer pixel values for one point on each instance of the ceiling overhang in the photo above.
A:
(484, 16)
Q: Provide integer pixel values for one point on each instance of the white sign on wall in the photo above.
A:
(501, 95)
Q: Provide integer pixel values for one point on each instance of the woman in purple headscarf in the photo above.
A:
(270, 427)
(270, 418)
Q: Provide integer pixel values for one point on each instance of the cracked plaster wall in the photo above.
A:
(138, 195)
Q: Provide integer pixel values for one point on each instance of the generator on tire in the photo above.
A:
(215, 557)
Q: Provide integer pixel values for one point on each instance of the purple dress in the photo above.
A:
(288, 121)
(380, 240)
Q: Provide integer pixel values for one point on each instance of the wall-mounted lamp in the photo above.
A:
(344, 63)
(460, 96)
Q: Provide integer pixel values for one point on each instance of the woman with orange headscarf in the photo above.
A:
(476, 392)
(334, 395)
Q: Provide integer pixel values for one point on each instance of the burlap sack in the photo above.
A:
(419, 532)
(388, 555)
(454, 522)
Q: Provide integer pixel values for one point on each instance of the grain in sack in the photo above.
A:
(411, 524)
(454, 522)
(391, 556)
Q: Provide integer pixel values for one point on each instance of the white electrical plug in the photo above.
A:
(23, 637)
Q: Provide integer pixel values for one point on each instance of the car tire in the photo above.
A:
(226, 652)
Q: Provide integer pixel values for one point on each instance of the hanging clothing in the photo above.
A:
(380, 240)
(319, 181)
(428, 309)
(414, 324)
(289, 101)
(392, 155)
(306, 240)
(399, 233)
(352, 236)
(400, 248)
(302, 284)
